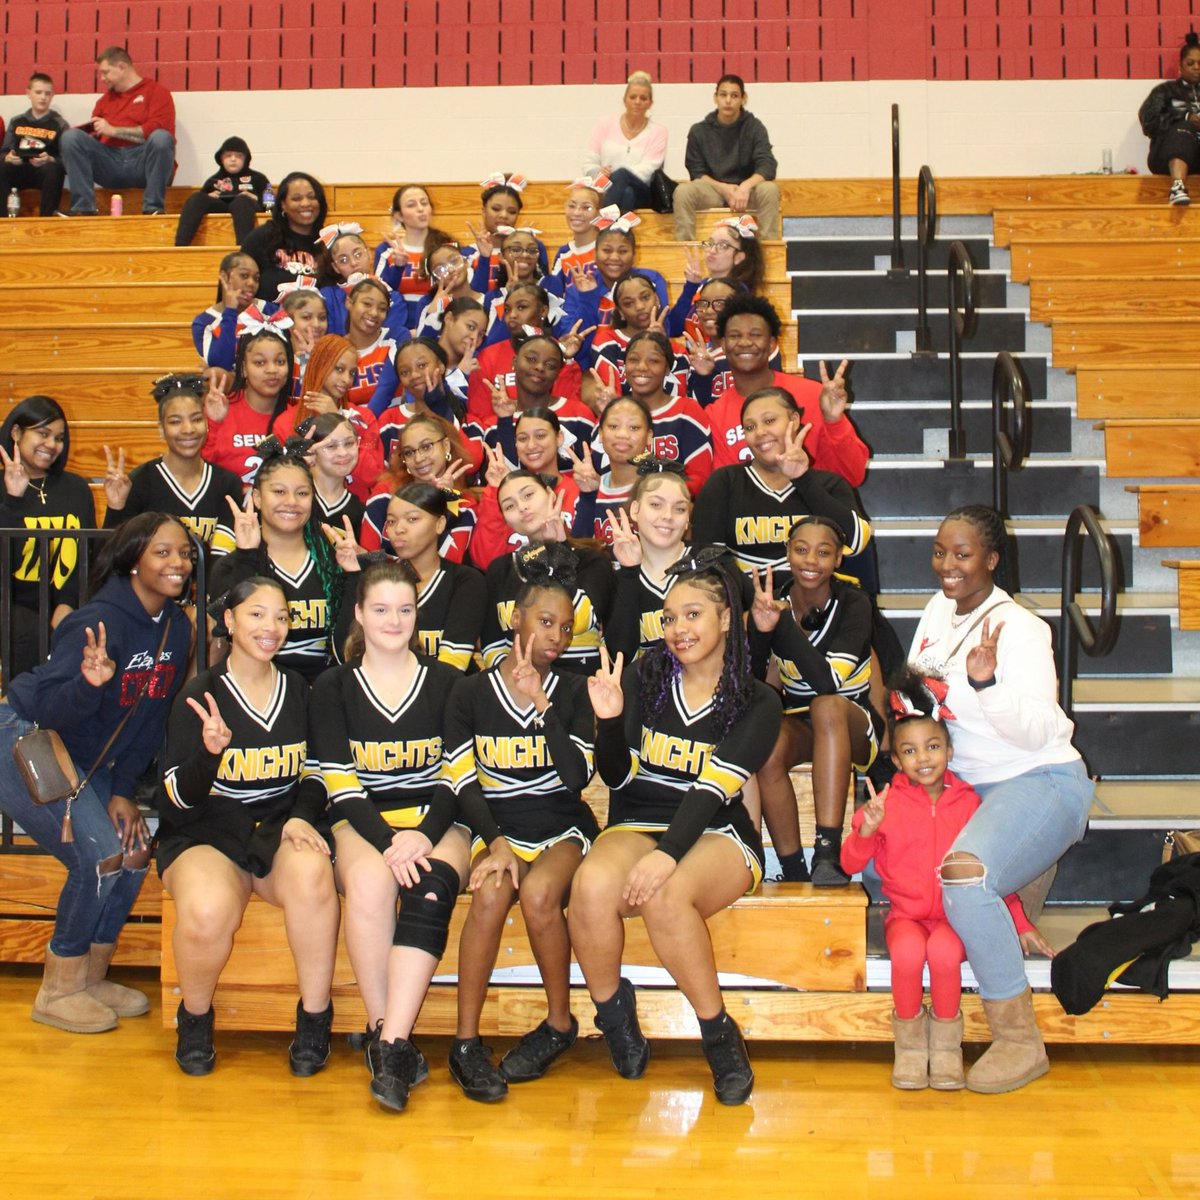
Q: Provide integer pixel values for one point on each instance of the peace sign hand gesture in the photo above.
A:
(658, 317)
(497, 465)
(216, 402)
(117, 484)
(794, 460)
(626, 545)
(582, 279)
(346, 549)
(602, 391)
(981, 661)
(604, 688)
(484, 242)
(834, 398)
(700, 357)
(454, 471)
(583, 469)
(570, 342)
(503, 404)
(525, 675)
(554, 530)
(16, 477)
(766, 609)
(97, 668)
(469, 362)
(215, 734)
(873, 810)
(247, 534)
(692, 271)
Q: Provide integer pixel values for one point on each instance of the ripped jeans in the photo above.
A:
(91, 908)
(1023, 826)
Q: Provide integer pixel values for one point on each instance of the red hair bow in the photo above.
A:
(251, 320)
(939, 689)
(330, 233)
(499, 179)
(595, 183)
(611, 217)
(743, 226)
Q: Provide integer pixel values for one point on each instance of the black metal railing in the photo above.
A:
(897, 271)
(1075, 627)
(42, 545)
(1009, 451)
(961, 303)
(926, 222)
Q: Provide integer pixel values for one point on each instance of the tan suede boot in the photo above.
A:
(945, 1053)
(63, 1002)
(1017, 1055)
(124, 1001)
(911, 1070)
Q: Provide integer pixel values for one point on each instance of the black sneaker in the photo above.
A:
(531, 1057)
(473, 1070)
(309, 1050)
(389, 1085)
(629, 1050)
(827, 872)
(733, 1077)
(194, 1042)
(369, 1043)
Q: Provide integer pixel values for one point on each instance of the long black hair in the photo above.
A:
(121, 552)
(239, 366)
(278, 221)
(31, 413)
(708, 569)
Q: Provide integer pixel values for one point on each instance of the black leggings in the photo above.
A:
(48, 177)
(243, 209)
(1175, 143)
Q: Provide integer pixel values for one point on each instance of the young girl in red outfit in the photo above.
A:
(908, 828)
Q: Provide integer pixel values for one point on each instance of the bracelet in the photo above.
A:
(978, 685)
(539, 718)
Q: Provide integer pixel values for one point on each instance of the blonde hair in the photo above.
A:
(642, 77)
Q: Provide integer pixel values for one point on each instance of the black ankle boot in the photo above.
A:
(617, 1019)
(309, 1050)
(733, 1077)
(390, 1084)
(194, 1042)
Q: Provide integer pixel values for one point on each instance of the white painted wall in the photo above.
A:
(828, 130)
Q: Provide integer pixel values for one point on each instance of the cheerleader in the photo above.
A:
(582, 206)
(751, 507)
(680, 732)
(261, 388)
(463, 326)
(448, 268)
(286, 244)
(427, 450)
(519, 743)
(420, 367)
(376, 726)
(237, 805)
(532, 510)
(214, 331)
(749, 328)
(276, 536)
(334, 461)
(310, 322)
(732, 251)
(502, 206)
(179, 481)
(636, 310)
(374, 382)
(402, 259)
(624, 433)
(816, 631)
(40, 493)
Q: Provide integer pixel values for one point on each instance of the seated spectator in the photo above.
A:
(1170, 118)
(729, 162)
(131, 142)
(628, 148)
(234, 189)
(287, 245)
(32, 148)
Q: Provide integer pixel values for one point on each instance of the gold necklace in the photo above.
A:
(41, 491)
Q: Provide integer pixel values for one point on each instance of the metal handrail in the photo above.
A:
(1008, 452)
(897, 271)
(961, 301)
(926, 223)
(1075, 628)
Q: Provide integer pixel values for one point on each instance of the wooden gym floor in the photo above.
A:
(110, 1116)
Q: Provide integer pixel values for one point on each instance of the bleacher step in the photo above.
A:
(1138, 727)
(899, 425)
(897, 374)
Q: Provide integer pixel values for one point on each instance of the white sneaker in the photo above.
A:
(1178, 193)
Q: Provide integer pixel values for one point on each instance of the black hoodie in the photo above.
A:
(245, 182)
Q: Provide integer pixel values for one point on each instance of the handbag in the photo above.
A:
(46, 767)
(1179, 842)
(662, 192)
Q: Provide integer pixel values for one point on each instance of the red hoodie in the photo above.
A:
(910, 844)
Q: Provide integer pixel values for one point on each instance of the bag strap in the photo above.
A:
(975, 625)
(116, 733)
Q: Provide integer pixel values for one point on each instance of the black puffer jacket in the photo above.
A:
(1167, 108)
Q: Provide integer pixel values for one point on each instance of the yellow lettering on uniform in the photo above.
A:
(63, 552)
(202, 527)
(504, 612)
(396, 756)
(308, 614)
(674, 753)
(650, 628)
(761, 531)
(429, 640)
(512, 753)
(262, 762)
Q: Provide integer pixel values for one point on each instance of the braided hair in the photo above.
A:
(992, 533)
(178, 383)
(275, 457)
(710, 570)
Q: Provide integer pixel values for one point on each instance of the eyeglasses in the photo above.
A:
(712, 245)
(715, 305)
(355, 256)
(521, 251)
(449, 267)
(424, 450)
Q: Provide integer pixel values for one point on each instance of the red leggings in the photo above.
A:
(910, 945)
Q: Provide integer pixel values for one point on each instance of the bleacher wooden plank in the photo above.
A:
(24, 940)
(130, 345)
(1174, 256)
(1108, 296)
(1130, 340)
(98, 393)
(1149, 449)
(1168, 515)
(30, 885)
(1080, 221)
(141, 442)
(1189, 591)
(107, 303)
(1151, 390)
(164, 264)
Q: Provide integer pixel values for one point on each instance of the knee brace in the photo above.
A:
(424, 923)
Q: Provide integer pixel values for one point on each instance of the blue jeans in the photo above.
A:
(92, 908)
(1022, 828)
(626, 191)
(90, 162)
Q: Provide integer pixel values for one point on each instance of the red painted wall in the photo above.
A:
(271, 44)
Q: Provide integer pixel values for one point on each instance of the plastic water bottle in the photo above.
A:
(13, 207)
(268, 197)
(116, 206)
